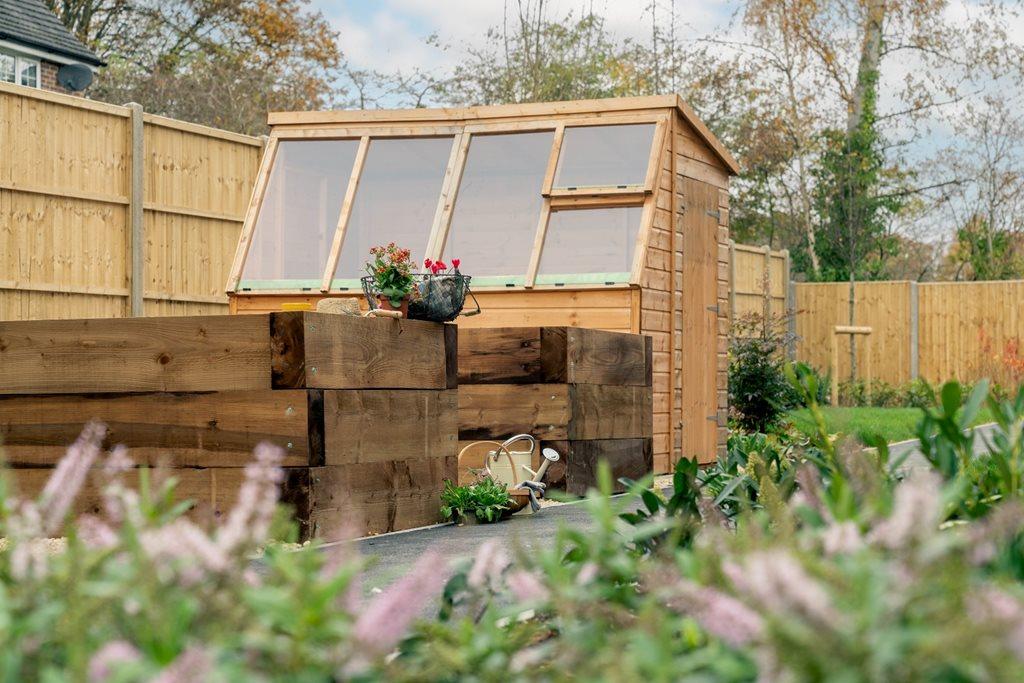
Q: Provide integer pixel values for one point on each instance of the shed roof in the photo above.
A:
(504, 111)
(31, 23)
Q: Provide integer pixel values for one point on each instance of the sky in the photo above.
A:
(389, 34)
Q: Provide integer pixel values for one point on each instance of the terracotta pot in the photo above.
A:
(385, 304)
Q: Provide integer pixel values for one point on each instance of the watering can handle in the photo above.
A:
(477, 311)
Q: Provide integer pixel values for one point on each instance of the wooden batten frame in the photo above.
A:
(598, 191)
(654, 160)
(348, 132)
(538, 243)
(643, 235)
(598, 201)
(449, 193)
(249, 224)
(556, 151)
(346, 212)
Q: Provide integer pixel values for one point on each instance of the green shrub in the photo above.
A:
(486, 500)
(759, 394)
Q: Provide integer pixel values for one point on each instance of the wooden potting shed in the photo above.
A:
(609, 214)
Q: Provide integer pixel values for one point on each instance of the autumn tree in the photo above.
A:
(913, 54)
(223, 63)
(987, 205)
(532, 57)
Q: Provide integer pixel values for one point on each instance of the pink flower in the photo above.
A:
(249, 520)
(191, 665)
(527, 587)
(778, 582)
(455, 263)
(491, 560)
(108, 658)
(384, 622)
(990, 604)
(842, 538)
(427, 263)
(69, 476)
(916, 512)
(441, 265)
(721, 615)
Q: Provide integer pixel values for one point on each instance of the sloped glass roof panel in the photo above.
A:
(589, 245)
(498, 205)
(395, 202)
(604, 156)
(297, 219)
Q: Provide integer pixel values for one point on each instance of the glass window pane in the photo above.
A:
(7, 68)
(29, 73)
(396, 200)
(498, 204)
(300, 210)
(603, 156)
(589, 245)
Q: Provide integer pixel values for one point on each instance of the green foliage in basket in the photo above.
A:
(487, 500)
(391, 270)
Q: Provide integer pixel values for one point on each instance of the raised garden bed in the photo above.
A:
(586, 393)
(365, 409)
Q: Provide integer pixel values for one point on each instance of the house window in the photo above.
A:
(18, 69)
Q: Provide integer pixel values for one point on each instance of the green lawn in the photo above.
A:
(895, 424)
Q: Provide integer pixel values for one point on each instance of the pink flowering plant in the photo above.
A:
(819, 561)
(139, 592)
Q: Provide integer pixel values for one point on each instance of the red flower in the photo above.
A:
(441, 265)
(427, 263)
(455, 263)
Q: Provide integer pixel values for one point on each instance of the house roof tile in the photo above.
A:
(31, 23)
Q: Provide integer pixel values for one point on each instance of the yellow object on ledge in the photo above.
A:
(296, 306)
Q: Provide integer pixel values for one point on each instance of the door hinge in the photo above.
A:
(714, 214)
(714, 309)
(713, 417)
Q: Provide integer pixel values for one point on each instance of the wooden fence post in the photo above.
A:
(790, 286)
(915, 348)
(732, 284)
(135, 210)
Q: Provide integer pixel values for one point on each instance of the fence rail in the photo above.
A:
(108, 211)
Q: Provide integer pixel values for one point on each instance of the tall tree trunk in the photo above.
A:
(870, 58)
(867, 82)
(802, 171)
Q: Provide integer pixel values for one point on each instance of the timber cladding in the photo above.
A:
(364, 409)
(586, 393)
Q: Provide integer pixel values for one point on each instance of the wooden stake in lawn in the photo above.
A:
(851, 331)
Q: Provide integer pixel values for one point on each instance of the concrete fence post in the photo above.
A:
(135, 210)
(766, 283)
(915, 348)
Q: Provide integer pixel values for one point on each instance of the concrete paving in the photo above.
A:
(913, 453)
(392, 554)
(396, 552)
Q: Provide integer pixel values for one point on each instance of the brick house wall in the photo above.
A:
(48, 77)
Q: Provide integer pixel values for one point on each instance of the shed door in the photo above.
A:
(700, 320)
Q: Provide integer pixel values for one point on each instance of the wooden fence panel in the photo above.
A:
(63, 206)
(198, 182)
(883, 306)
(65, 198)
(970, 330)
(760, 278)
